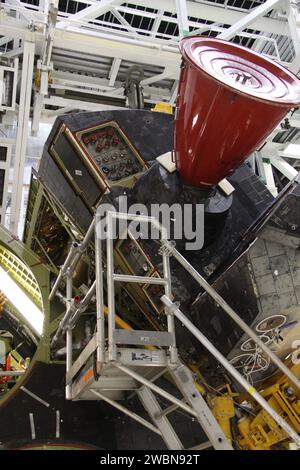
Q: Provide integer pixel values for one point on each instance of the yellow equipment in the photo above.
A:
(161, 107)
(261, 432)
(223, 410)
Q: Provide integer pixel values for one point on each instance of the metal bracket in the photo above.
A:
(167, 247)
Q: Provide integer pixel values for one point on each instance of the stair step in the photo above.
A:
(142, 337)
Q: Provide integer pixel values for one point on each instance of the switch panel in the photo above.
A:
(112, 151)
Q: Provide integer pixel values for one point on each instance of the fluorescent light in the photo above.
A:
(31, 313)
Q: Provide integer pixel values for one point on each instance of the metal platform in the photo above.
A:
(113, 365)
(113, 382)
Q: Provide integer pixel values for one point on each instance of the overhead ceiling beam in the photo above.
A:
(78, 104)
(156, 23)
(29, 15)
(157, 78)
(249, 19)
(4, 40)
(93, 85)
(124, 22)
(90, 13)
(13, 53)
(110, 46)
(216, 14)
(97, 43)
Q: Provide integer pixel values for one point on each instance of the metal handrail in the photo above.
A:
(168, 249)
(174, 310)
(231, 313)
(112, 277)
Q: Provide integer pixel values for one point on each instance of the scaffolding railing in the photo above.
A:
(110, 355)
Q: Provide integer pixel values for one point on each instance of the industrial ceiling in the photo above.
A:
(63, 56)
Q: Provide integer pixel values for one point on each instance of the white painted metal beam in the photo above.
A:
(124, 22)
(109, 46)
(4, 40)
(291, 151)
(174, 91)
(157, 22)
(107, 43)
(249, 19)
(44, 64)
(292, 13)
(14, 70)
(158, 77)
(216, 14)
(266, 173)
(182, 17)
(78, 104)
(284, 167)
(93, 11)
(5, 165)
(22, 133)
(114, 71)
(29, 15)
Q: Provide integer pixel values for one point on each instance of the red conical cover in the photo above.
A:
(229, 100)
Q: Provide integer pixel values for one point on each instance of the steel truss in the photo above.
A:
(84, 55)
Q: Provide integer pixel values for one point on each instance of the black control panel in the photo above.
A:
(111, 150)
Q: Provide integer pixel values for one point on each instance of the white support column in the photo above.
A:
(114, 71)
(44, 65)
(1, 84)
(174, 91)
(292, 12)
(22, 132)
(182, 17)
(5, 165)
(12, 68)
(247, 20)
(38, 106)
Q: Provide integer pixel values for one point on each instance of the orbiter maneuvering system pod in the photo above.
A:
(229, 100)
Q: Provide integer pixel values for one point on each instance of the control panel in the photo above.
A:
(134, 257)
(112, 152)
(136, 262)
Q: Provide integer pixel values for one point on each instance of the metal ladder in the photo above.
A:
(109, 374)
(136, 369)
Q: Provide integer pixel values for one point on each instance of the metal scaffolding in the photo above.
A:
(120, 368)
(86, 48)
